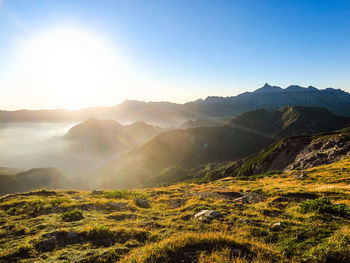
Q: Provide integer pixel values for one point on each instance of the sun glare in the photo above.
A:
(71, 66)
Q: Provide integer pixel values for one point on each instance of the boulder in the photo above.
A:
(48, 244)
(117, 205)
(72, 237)
(207, 215)
(143, 203)
(242, 200)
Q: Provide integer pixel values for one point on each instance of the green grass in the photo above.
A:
(280, 225)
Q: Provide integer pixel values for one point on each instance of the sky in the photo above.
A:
(73, 54)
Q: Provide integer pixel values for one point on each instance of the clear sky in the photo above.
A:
(72, 54)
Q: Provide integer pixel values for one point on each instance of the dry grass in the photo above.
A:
(270, 228)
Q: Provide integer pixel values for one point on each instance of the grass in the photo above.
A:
(287, 220)
(125, 194)
(71, 216)
(325, 206)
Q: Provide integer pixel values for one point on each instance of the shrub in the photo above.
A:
(99, 232)
(71, 216)
(34, 207)
(59, 201)
(325, 206)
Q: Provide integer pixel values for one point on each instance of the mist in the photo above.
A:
(28, 145)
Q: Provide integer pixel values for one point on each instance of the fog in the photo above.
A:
(28, 145)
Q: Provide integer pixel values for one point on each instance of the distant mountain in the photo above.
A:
(172, 114)
(336, 101)
(238, 138)
(35, 178)
(108, 137)
(202, 123)
(289, 121)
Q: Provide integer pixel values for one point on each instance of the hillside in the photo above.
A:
(272, 218)
(290, 153)
(202, 123)
(101, 138)
(186, 148)
(172, 114)
(290, 121)
(298, 153)
(239, 138)
(35, 178)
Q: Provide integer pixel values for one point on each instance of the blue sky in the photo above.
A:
(183, 50)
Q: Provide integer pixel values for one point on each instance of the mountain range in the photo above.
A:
(172, 114)
(238, 138)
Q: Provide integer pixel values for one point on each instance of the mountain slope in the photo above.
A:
(243, 136)
(297, 153)
(108, 137)
(35, 178)
(186, 148)
(289, 121)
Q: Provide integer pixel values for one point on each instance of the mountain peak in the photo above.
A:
(267, 88)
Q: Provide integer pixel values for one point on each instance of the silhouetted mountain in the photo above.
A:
(238, 138)
(172, 114)
(290, 121)
(35, 178)
(106, 137)
(202, 123)
(336, 101)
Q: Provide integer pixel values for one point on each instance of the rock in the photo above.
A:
(97, 192)
(242, 200)
(117, 205)
(143, 203)
(302, 176)
(276, 226)
(72, 237)
(207, 215)
(48, 244)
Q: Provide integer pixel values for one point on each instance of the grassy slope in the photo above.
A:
(114, 229)
(245, 135)
(185, 148)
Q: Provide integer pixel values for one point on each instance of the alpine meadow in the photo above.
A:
(174, 131)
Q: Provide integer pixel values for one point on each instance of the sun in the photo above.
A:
(72, 66)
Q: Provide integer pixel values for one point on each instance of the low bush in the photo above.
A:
(325, 206)
(74, 215)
